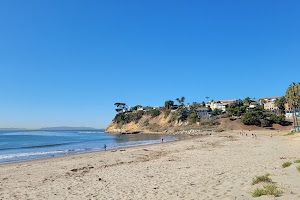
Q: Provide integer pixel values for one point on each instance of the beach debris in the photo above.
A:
(122, 150)
(84, 169)
(287, 157)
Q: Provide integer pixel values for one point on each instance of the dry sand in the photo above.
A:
(220, 166)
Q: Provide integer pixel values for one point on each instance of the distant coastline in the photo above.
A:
(59, 128)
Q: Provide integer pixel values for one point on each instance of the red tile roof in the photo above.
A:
(270, 98)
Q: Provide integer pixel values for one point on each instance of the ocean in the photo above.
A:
(28, 145)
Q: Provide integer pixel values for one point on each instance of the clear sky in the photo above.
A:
(65, 63)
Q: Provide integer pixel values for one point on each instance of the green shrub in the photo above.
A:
(297, 161)
(182, 113)
(276, 119)
(258, 192)
(298, 168)
(193, 118)
(286, 164)
(258, 118)
(146, 122)
(259, 179)
(269, 189)
(173, 117)
(210, 123)
(235, 110)
(167, 112)
(253, 118)
(125, 118)
(217, 111)
(265, 123)
(154, 113)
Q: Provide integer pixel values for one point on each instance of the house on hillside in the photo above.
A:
(144, 108)
(158, 107)
(269, 103)
(128, 109)
(203, 112)
(221, 104)
(253, 105)
(289, 111)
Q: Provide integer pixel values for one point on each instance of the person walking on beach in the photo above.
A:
(105, 147)
(162, 140)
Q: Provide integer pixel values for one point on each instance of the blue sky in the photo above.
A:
(68, 62)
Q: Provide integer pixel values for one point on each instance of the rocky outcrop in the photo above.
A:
(146, 124)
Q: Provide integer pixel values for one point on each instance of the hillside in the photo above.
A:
(161, 123)
(146, 124)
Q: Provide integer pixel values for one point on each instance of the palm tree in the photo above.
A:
(297, 102)
(292, 97)
(280, 104)
(181, 100)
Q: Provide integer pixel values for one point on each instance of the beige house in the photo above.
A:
(269, 103)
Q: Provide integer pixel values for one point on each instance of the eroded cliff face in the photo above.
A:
(146, 124)
(159, 123)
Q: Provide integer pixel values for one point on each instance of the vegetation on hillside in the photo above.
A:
(259, 117)
(122, 118)
(250, 112)
(237, 108)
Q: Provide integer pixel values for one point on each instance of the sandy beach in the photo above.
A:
(220, 166)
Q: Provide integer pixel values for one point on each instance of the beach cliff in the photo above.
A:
(168, 123)
(146, 123)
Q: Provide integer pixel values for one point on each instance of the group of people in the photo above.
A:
(252, 135)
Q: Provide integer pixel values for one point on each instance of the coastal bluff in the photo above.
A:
(163, 123)
(145, 124)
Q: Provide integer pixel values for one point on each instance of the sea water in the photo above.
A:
(27, 145)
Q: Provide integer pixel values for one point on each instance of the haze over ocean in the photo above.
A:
(65, 63)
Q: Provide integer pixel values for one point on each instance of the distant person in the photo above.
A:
(162, 140)
(271, 135)
(105, 147)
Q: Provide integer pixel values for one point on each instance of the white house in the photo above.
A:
(289, 113)
(221, 104)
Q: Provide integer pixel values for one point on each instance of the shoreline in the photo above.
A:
(91, 152)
